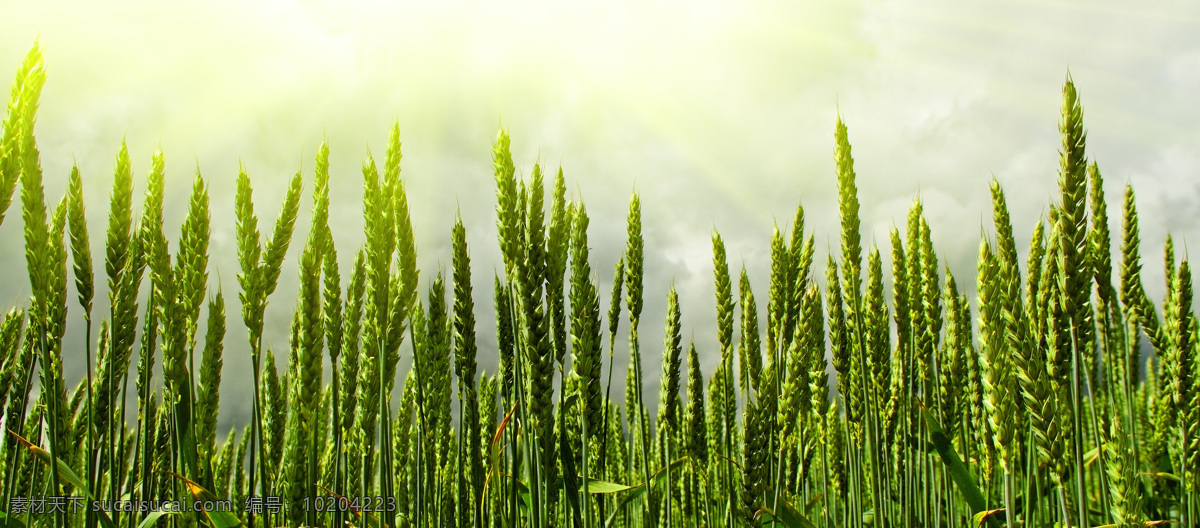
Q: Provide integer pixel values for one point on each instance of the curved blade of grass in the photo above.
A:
(372, 520)
(979, 517)
(1147, 524)
(522, 492)
(153, 518)
(219, 519)
(962, 476)
(494, 468)
(64, 472)
(602, 487)
(596, 486)
(637, 491)
(793, 518)
(788, 517)
(8, 521)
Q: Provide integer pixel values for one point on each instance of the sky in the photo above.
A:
(719, 114)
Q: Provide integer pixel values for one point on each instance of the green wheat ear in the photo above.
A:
(779, 297)
(999, 400)
(696, 440)
(1099, 237)
(1125, 487)
(208, 394)
(10, 349)
(351, 344)
(668, 406)
(585, 325)
(505, 338)
(81, 250)
(749, 346)
(878, 338)
(406, 249)
(848, 211)
(436, 367)
(465, 364)
(23, 102)
(558, 239)
(273, 398)
(1072, 181)
(508, 214)
(305, 359)
(838, 338)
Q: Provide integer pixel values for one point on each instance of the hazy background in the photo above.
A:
(721, 115)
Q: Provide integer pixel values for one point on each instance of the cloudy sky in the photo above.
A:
(721, 115)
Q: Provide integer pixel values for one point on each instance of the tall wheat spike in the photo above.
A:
(273, 423)
(609, 425)
(41, 259)
(1133, 294)
(668, 402)
(749, 345)
(725, 311)
(634, 277)
(81, 253)
(305, 362)
(435, 368)
(800, 258)
(931, 287)
(23, 101)
(669, 406)
(1121, 465)
(902, 354)
(855, 331)
(1056, 451)
(999, 390)
(875, 328)
(558, 238)
(779, 295)
(208, 390)
(1183, 360)
(348, 375)
(586, 343)
(403, 287)
(797, 393)
(505, 340)
(1100, 255)
(535, 333)
(151, 237)
(916, 309)
(817, 363)
(333, 315)
(53, 384)
(465, 368)
(585, 326)
(838, 338)
(380, 247)
(695, 436)
(1075, 269)
(956, 352)
(121, 257)
(10, 348)
(260, 268)
(848, 208)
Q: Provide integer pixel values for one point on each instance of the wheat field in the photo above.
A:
(1062, 395)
